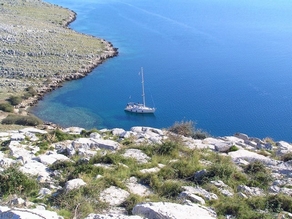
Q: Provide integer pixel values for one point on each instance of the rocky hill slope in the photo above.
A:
(142, 173)
(37, 49)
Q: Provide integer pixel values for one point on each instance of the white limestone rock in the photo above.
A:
(192, 197)
(166, 210)
(201, 192)
(73, 130)
(19, 151)
(49, 159)
(74, 184)
(43, 192)
(250, 191)
(118, 132)
(251, 156)
(32, 130)
(21, 213)
(114, 196)
(242, 136)
(137, 188)
(36, 168)
(152, 170)
(107, 144)
(17, 137)
(111, 216)
(95, 135)
(137, 155)
(85, 143)
(283, 148)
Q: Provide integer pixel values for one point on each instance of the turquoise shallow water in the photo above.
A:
(225, 65)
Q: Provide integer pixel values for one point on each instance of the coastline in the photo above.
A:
(57, 81)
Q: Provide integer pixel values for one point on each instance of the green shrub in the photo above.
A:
(21, 120)
(131, 201)
(14, 100)
(279, 202)
(233, 148)
(6, 107)
(79, 202)
(15, 182)
(259, 175)
(167, 148)
(183, 128)
(187, 129)
(286, 157)
(239, 208)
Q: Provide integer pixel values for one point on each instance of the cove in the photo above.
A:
(224, 65)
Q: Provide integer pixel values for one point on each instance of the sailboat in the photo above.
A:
(140, 107)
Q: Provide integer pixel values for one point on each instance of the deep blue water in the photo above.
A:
(224, 64)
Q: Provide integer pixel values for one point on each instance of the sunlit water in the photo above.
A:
(226, 65)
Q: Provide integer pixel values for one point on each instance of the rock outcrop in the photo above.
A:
(103, 152)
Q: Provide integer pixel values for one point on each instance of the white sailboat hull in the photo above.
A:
(139, 108)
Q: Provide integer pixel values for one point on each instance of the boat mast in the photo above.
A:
(143, 93)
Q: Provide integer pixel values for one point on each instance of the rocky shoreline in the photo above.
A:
(39, 50)
(109, 52)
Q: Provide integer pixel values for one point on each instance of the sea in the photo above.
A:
(225, 65)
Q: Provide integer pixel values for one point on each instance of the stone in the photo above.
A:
(73, 130)
(32, 130)
(199, 175)
(49, 159)
(251, 156)
(137, 188)
(85, 143)
(111, 216)
(250, 191)
(223, 146)
(17, 137)
(152, 170)
(166, 210)
(74, 184)
(201, 192)
(43, 192)
(107, 144)
(118, 132)
(36, 168)
(114, 196)
(21, 213)
(137, 155)
(192, 197)
(242, 136)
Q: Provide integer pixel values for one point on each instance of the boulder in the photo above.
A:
(107, 144)
(21, 213)
(32, 130)
(137, 155)
(17, 137)
(201, 192)
(250, 191)
(49, 159)
(74, 184)
(84, 143)
(111, 216)
(192, 197)
(137, 188)
(118, 132)
(114, 196)
(36, 168)
(166, 210)
(251, 156)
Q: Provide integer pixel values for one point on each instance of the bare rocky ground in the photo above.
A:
(140, 173)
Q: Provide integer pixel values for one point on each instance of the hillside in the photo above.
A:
(142, 173)
(38, 50)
